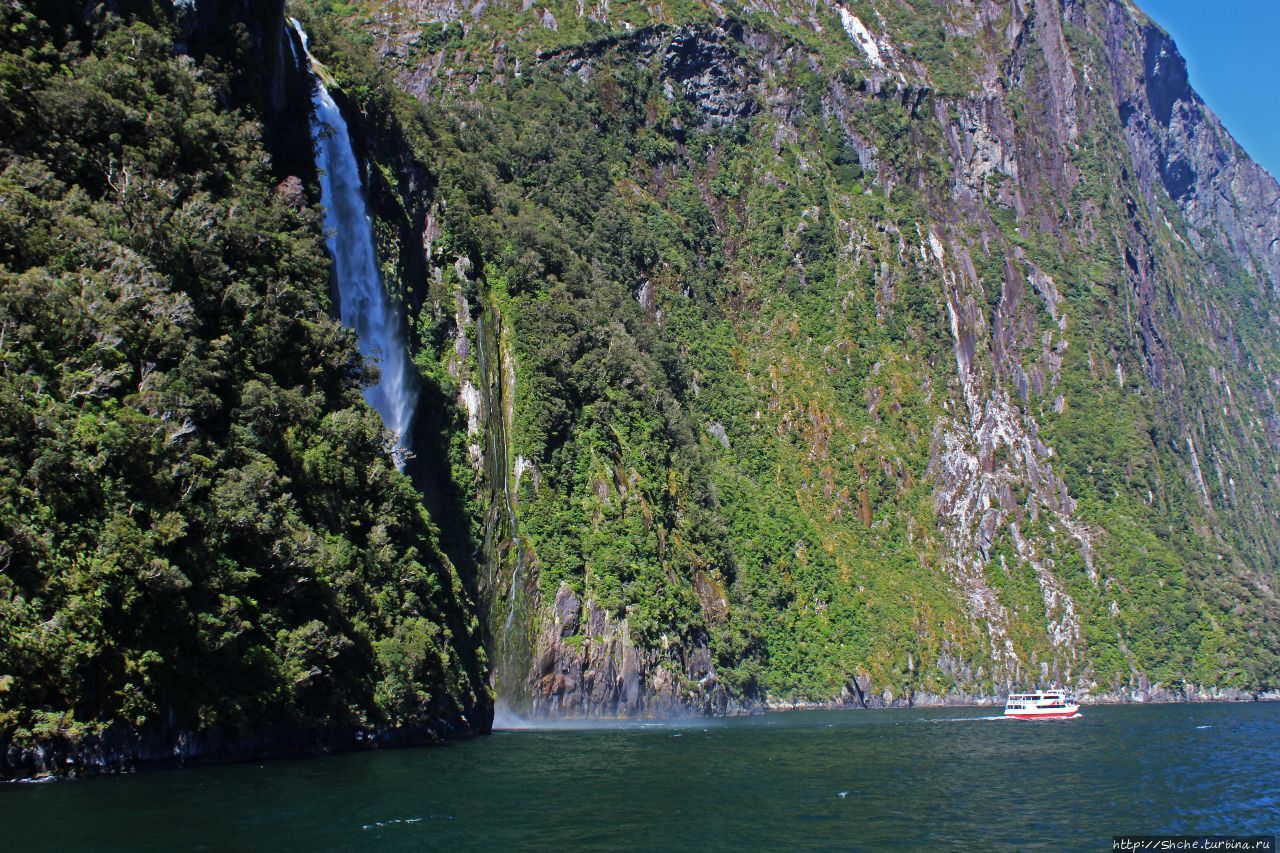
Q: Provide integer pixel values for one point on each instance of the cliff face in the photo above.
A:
(937, 348)
(205, 552)
(770, 353)
(1175, 139)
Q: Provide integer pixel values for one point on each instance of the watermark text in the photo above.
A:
(1223, 843)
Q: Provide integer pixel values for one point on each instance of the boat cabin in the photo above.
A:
(1039, 699)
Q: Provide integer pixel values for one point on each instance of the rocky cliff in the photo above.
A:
(769, 354)
(856, 349)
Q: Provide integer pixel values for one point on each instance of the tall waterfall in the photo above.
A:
(362, 300)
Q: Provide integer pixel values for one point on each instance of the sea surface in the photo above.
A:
(921, 779)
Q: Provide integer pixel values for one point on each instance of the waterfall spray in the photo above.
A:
(362, 300)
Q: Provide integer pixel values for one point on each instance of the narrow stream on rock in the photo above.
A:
(362, 299)
(502, 535)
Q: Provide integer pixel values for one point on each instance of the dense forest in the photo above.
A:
(200, 526)
(862, 353)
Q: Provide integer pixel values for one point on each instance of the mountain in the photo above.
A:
(768, 354)
(874, 353)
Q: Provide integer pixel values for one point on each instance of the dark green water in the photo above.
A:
(918, 779)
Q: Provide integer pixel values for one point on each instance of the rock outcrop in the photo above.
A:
(586, 665)
(1179, 144)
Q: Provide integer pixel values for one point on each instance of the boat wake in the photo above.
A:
(967, 719)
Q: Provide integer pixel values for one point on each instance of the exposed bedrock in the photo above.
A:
(586, 665)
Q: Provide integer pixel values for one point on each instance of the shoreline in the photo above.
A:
(64, 762)
(122, 750)
(1152, 696)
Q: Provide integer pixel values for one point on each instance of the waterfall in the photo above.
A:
(364, 308)
(362, 300)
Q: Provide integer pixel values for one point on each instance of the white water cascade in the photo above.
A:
(362, 299)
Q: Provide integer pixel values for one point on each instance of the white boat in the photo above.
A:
(1040, 705)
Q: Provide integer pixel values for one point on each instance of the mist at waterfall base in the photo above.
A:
(910, 779)
(362, 300)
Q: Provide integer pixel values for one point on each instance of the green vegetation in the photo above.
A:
(709, 386)
(725, 310)
(199, 523)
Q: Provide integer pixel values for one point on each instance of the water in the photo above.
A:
(362, 299)
(921, 779)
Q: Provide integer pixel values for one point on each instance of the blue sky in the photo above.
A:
(1232, 49)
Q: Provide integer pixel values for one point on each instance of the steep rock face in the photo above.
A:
(964, 316)
(706, 73)
(586, 664)
(1175, 139)
(776, 355)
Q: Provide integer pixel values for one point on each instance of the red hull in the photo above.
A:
(1062, 716)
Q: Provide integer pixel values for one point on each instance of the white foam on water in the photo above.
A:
(403, 821)
(962, 719)
(507, 720)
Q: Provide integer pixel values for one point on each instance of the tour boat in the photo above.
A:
(1041, 705)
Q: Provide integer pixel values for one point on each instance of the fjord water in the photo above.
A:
(362, 299)
(944, 778)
